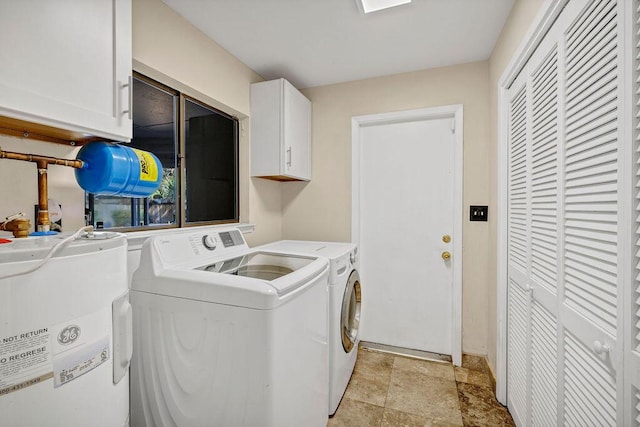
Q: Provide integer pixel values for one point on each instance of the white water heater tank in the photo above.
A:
(65, 332)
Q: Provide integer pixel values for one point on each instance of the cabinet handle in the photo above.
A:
(129, 86)
(289, 154)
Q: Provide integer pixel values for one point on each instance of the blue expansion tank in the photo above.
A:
(118, 170)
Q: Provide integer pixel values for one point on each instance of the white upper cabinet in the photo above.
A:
(67, 64)
(280, 132)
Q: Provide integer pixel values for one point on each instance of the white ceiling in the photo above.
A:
(319, 42)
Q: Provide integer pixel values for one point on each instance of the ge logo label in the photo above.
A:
(69, 334)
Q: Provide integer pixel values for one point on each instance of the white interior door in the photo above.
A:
(407, 188)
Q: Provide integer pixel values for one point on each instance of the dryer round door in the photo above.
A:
(350, 315)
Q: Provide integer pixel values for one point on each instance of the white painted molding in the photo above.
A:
(455, 112)
(549, 11)
(627, 211)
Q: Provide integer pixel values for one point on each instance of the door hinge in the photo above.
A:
(453, 125)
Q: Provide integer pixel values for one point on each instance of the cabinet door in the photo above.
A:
(67, 63)
(297, 134)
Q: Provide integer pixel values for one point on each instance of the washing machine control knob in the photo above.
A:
(209, 242)
(352, 257)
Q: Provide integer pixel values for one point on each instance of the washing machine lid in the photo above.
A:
(259, 265)
(203, 268)
(263, 266)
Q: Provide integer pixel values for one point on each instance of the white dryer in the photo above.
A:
(229, 336)
(345, 297)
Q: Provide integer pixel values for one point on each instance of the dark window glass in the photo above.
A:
(211, 159)
(210, 163)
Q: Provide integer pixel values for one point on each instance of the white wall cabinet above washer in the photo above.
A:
(280, 132)
(67, 65)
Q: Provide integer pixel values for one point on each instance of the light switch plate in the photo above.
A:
(478, 213)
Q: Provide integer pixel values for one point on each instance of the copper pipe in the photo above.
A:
(43, 222)
(35, 158)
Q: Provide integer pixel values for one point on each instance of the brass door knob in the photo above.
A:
(446, 255)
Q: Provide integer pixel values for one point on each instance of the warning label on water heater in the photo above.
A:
(63, 352)
(25, 359)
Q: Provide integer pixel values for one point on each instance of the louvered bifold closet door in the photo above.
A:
(565, 139)
(590, 356)
(533, 239)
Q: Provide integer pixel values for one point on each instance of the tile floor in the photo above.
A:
(389, 390)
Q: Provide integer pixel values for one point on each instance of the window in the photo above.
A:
(198, 148)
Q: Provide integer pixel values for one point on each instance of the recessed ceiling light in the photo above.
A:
(369, 6)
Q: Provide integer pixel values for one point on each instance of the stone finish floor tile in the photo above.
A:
(464, 375)
(371, 376)
(395, 391)
(421, 394)
(480, 407)
(373, 361)
(352, 413)
(473, 362)
(393, 418)
(368, 388)
(427, 367)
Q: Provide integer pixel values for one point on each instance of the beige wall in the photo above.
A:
(169, 49)
(521, 17)
(166, 47)
(19, 182)
(321, 209)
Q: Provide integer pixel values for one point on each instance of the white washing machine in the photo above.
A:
(229, 336)
(65, 331)
(345, 297)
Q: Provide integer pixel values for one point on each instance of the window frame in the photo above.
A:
(180, 144)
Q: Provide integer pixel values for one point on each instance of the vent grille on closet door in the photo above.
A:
(591, 166)
(590, 387)
(518, 353)
(518, 181)
(544, 170)
(543, 367)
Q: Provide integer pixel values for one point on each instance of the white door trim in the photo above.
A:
(549, 11)
(456, 114)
